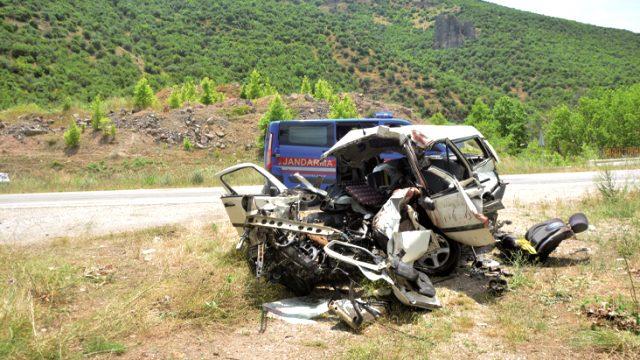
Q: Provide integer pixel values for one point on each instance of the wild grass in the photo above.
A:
(51, 308)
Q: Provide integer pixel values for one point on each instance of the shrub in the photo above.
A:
(343, 109)
(197, 178)
(322, 90)
(143, 95)
(186, 144)
(188, 91)
(66, 104)
(256, 86)
(277, 111)
(209, 93)
(72, 135)
(305, 87)
(175, 101)
(97, 112)
(438, 119)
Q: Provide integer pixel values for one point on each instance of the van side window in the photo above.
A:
(306, 135)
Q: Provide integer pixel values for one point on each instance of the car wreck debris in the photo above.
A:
(405, 201)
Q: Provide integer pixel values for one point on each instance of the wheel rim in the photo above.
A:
(437, 257)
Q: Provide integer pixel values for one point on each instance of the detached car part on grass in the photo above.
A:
(404, 201)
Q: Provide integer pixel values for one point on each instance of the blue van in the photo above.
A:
(295, 146)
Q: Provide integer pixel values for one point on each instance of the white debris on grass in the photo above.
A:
(299, 310)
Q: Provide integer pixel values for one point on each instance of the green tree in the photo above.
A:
(305, 87)
(278, 110)
(188, 91)
(175, 100)
(209, 93)
(438, 119)
(323, 90)
(565, 131)
(97, 112)
(72, 135)
(256, 86)
(482, 119)
(343, 108)
(143, 95)
(512, 119)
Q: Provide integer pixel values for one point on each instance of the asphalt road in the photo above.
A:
(28, 218)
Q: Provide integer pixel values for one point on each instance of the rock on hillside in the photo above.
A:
(451, 33)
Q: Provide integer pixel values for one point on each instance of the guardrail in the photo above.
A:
(615, 162)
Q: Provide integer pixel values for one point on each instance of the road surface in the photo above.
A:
(28, 218)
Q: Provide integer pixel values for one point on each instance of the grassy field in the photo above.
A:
(174, 292)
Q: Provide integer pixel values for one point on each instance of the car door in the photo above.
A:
(457, 215)
(457, 209)
(482, 158)
(247, 188)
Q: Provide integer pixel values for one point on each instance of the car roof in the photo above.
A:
(430, 132)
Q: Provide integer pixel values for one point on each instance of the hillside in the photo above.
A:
(431, 55)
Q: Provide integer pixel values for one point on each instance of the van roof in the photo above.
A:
(340, 120)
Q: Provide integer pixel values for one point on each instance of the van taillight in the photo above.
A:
(268, 157)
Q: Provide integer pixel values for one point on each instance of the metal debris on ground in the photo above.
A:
(299, 310)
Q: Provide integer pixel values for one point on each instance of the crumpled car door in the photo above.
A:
(459, 215)
(239, 200)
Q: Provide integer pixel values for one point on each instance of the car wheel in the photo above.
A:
(442, 259)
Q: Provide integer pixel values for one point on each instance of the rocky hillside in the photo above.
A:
(432, 55)
(227, 127)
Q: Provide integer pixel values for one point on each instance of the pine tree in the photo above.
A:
(278, 110)
(143, 95)
(72, 135)
(97, 113)
(188, 91)
(305, 87)
(322, 90)
(209, 93)
(253, 87)
(174, 99)
(343, 109)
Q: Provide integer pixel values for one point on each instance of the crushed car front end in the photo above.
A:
(404, 201)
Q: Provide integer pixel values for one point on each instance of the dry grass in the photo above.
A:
(141, 164)
(107, 295)
(104, 295)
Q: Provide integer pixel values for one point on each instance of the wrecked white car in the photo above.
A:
(404, 202)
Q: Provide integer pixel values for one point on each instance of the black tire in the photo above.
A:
(445, 265)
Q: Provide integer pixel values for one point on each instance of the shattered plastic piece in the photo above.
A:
(299, 310)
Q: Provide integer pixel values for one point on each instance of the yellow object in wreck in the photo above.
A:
(525, 245)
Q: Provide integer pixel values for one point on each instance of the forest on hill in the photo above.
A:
(52, 51)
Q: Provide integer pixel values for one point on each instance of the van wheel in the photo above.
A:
(440, 260)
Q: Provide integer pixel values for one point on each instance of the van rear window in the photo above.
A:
(306, 135)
